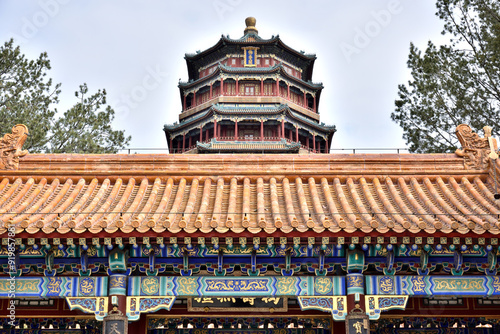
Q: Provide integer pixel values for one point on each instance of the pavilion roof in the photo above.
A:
(247, 110)
(342, 194)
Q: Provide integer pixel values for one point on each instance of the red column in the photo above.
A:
(206, 134)
(201, 134)
(189, 146)
(210, 91)
(305, 100)
(314, 99)
(194, 99)
(282, 128)
(314, 143)
(261, 130)
(297, 134)
(290, 136)
(307, 143)
(288, 91)
(237, 89)
(326, 145)
(235, 130)
(215, 128)
(221, 86)
(261, 86)
(183, 142)
(184, 103)
(277, 87)
(171, 148)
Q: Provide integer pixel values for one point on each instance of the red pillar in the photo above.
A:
(206, 134)
(261, 130)
(235, 130)
(326, 146)
(297, 134)
(189, 146)
(194, 99)
(237, 89)
(277, 87)
(305, 101)
(261, 86)
(171, 148)
(215, 129)
(201, 134)
(314, 143)
(288, 91)
(221, 86)
(282, 128)
(184, 103)
(183, 142)
(290, 136)
(307, 143)
(314, 99)
(210, 91)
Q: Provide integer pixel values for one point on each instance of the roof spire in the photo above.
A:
(250, 22)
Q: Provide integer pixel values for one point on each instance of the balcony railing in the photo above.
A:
(283, 96)
(158, 150)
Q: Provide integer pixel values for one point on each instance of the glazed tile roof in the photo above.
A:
(408, 193)
(251, 110)
(253, 39)
(258, 70)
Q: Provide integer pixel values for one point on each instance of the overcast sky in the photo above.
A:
(135, 50)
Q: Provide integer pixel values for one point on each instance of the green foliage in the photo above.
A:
(28, 97)
(456, 83)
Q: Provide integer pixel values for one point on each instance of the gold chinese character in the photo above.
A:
(114, 329)
(357, 326)
(249, 300)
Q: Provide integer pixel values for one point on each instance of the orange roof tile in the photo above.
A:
(257, 193)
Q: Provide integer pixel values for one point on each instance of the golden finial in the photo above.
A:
(250, 22)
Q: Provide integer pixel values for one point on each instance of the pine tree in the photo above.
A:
(28, 97)
(456, 83)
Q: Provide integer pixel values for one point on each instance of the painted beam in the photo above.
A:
(54, 286)
(433, 285)
(209, 286)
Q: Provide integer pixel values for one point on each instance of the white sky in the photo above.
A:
(136, 49)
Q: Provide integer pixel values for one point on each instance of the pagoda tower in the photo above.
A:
(249, 95)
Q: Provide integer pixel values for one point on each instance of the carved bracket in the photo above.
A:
(378, 304)
(96, 305)
(10, 147)
(336, 305)
(138, 305)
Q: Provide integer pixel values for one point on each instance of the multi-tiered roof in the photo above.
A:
(249, 95)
